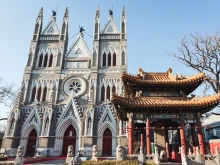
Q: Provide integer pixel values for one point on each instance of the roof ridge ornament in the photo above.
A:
(53, 17)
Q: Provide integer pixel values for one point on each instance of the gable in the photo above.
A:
(51, 29)
(79, 49)
(110, 28)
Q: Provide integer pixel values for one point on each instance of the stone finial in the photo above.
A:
(97, 15)
(141, 156)
(66, 12)
(19, 156)
(41, 13)
(123, 12)
(183, 156)
(120, 152)
(94, 153)
(156, 156)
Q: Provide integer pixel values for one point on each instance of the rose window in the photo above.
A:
(75, 87)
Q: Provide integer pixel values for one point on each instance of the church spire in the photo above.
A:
(123, 24)
(97, 24)
(64, 30)
(38, 25)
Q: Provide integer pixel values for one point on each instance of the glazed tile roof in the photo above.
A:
(164, 78)
(163, 103)
(161, 81)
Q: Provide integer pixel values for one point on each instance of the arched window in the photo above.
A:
(104, 60)
(113, 89)
(39, 94)
(40, 60)
(123, 27)
(123, 58)
(36, 28)
(89, 125)
(33, 94)
(109, 59)
(103, 93)
(51, 60)
(114, 59)
(108, 92)
(63, 28)
(45, 60)
(94, 59)
(44, 94)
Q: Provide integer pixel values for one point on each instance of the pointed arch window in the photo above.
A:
(33, 94)
(36, 28)
(123, 58)
(104, 60)
(40, 60)
(44, 94)
(96, 28)
(94, 59)
(109, 59)
(89, 125)
(108, 92)
(63, 28)
(45, 60)
(103, 93)
(113, 89)
(51, 60)
(114, 59)
(39, 94)
(123, 27)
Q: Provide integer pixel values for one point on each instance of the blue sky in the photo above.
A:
(154, 29)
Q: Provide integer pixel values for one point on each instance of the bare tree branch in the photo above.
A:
(7, 93)
(202, 53)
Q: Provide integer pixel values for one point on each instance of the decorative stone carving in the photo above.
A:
(156, 156)
(141, 156)
(163, 156)
(70, 153)
(120, 152)
(75, 160)
(183, 157)
(94, 153)
(19, 157)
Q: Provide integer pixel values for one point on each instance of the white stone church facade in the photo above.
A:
(65, 93)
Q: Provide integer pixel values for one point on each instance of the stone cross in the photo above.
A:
(19, 156)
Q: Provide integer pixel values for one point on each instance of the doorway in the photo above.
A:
(107, 143)
(69, 139)
(32, 139)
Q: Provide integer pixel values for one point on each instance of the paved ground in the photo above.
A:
(57, 162)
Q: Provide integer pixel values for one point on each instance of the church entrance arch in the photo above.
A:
(31, 145)
(107, 143)
(69, 139)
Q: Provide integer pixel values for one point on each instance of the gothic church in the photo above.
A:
(66, 88)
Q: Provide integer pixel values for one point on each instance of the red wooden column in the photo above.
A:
(182, 134)
(130, 135)
(148, 135)
(142, 140)
(200, 137)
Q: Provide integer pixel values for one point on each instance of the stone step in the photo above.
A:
(170, 163)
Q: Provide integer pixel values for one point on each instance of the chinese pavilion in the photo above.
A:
(160, 111)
